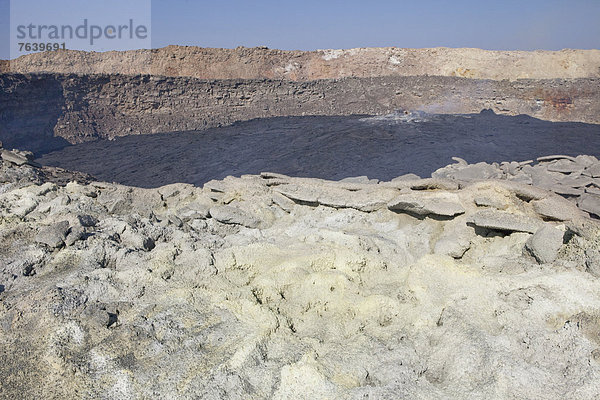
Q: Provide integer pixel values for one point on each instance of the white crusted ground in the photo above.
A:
(287, 288)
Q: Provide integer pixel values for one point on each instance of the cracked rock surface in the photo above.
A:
(575, 178)
(268, 286)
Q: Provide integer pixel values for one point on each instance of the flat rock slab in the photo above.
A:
(593, 190)
(369, 198)
(285, 203)
(490, 201)
(565, 190)
(577, 182)
(510, 167)
(556, 157)
(423, 184)
(195, 210)
(590, 203)
(299, 193)
(522, 190)
(23, 207)
(504, 221)
(234, 215)
(556, 208)
(446, 205)
(470, 172)
(13, 158)
(594, 170)
(360, 179)
(586, 160)
(565, 166)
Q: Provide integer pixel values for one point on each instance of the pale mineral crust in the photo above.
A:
(264, 63)
(269, 286)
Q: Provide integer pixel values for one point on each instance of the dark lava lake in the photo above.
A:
(325, 147)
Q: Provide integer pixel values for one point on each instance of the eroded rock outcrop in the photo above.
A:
(261, 63)
(278, 287)
(18, 169)
(575, 178)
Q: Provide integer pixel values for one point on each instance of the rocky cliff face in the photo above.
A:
(46, 111)
(268, 286)
(261, 63)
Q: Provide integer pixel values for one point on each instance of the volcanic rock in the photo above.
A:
(455, 240)
(53, 236)
(319, 299)
(446, 205)
(469, 172)
(264, 63)
(556, 157)
(592, 262)
(593, 170)
(590, 203)
(360, 179)
(233, 215)
(556, 209)
(14, 158)
(545, 243)
(565, 166)
(494, 202)
(504, 221)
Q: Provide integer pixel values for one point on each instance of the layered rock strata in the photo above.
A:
(264, 63)
(48, 111)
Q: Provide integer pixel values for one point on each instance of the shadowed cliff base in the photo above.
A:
(325, 147)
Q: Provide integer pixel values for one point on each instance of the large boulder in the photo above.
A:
(590, 203)
(504, 221)
(545, 243)
(446, 205)
(556, 208)
(54, 235)
(469, 172)
(234, 215)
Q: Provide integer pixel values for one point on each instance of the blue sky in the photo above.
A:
(310, 24)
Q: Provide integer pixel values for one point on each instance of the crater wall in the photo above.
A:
(262, 62)
(42, 112)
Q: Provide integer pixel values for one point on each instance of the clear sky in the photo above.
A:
(320, 24)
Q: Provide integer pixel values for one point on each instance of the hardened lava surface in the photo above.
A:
(326, 147)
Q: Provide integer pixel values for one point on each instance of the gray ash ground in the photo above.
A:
(325, 147)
